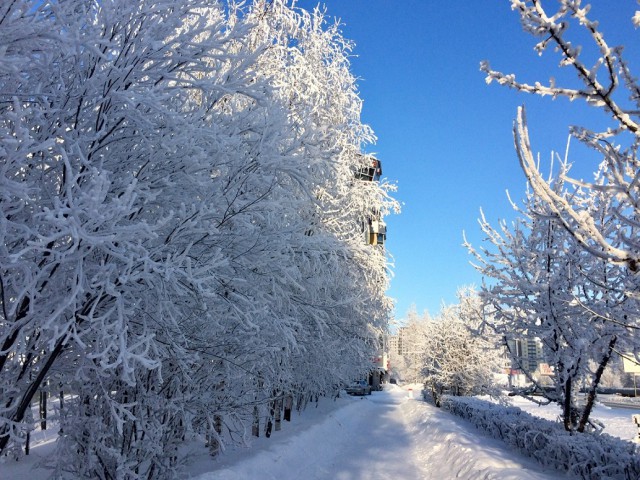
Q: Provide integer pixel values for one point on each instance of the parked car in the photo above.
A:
(359, 388)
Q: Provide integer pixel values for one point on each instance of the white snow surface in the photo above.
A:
(392, 434)
(617, 421)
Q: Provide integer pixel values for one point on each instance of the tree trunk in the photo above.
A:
(594, 386)
(217, 426)
(567, 410)
(61, 431)
(278, 414)
(43, 409)
(268, 428)
(288, 405)
(25, 402)
(255, 428)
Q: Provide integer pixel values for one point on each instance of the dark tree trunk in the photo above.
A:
(591, 397)
(255, 429)
(25, 402)
(43, 410)
(288, 405)
(567, 410)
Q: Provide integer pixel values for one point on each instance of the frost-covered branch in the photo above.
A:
(578, 223)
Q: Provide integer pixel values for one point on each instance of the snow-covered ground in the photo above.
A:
(617, 420)
(389, 435)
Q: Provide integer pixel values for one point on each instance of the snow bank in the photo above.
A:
(593, 456)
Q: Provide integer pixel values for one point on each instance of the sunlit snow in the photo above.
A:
(393, 434)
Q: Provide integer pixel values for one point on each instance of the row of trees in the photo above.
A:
(181, 238)
(566, 270)
(448, 353)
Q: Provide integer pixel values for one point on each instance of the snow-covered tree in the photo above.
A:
(457, 360)
(545, 287)
(180, 222)
(577, 241)
(413, 340)
(609, 85)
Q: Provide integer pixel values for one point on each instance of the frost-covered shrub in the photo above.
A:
(586, 455)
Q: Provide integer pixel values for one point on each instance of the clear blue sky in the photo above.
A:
(444, 135)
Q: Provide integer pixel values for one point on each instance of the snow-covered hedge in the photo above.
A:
(589, 456)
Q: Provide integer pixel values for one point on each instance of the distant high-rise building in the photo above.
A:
(399, 343)
(527, 352)
(393, 343)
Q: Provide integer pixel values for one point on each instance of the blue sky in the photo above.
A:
(444, 135)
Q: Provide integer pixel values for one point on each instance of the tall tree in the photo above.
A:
(163, 167)
(608, 85)
(544, 286)
(457, 360)
(599, 218)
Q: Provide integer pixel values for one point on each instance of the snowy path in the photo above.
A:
(388, 435)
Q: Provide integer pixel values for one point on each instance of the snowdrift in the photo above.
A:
(592, 456)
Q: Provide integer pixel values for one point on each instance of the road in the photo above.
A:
(388, 435)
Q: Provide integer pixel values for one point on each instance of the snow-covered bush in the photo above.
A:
(594, 456)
